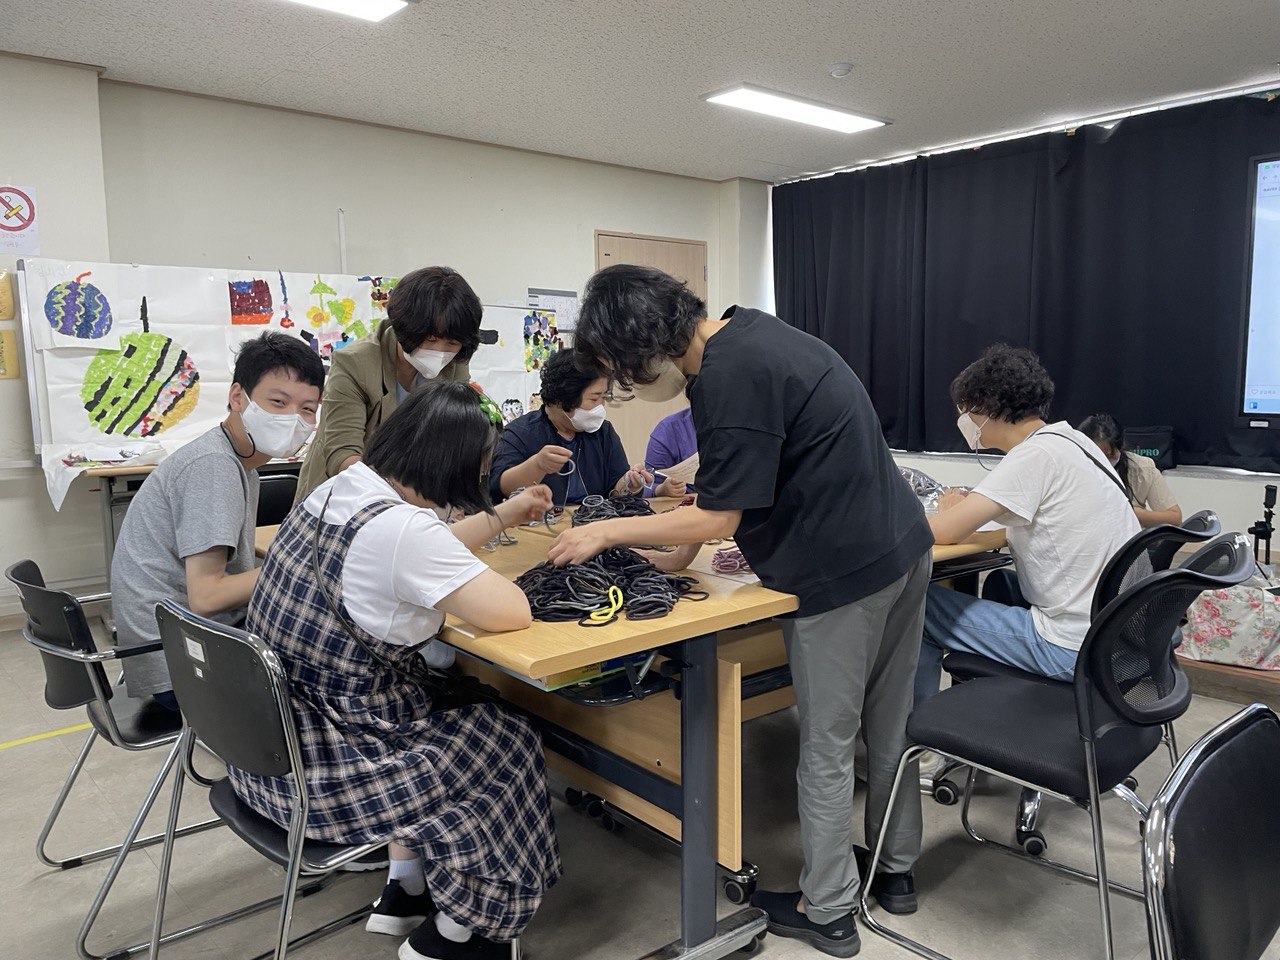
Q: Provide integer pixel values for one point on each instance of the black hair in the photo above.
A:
(1007, 383)
(632, 318)
(435, 302)
(564, 379)
(273, 352)
(1104, 428)
(438, 443)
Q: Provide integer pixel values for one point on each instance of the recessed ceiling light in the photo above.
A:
(840, 70)
(373, 10)
(757, 100)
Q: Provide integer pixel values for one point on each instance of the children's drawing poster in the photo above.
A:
(137, 360)
(510, 370)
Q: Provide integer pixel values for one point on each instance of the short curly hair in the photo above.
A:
(564, 379)
(1007, 383)
(631, 319)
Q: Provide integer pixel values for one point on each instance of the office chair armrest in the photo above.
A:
(93, 598)
(154, 646)
(94, 656)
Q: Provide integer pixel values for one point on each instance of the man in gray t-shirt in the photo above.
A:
(188, 535)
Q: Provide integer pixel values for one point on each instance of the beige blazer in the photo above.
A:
(359, 395)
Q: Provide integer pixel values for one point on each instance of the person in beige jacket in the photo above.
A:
(432, 331)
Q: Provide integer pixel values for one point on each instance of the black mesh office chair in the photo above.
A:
(75, 677)
(1150, 550)
(1217, 899)
(235, 697)
(275, 498)
(1075, 741)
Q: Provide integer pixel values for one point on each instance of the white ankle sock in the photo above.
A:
(409, 873)
(451, 929)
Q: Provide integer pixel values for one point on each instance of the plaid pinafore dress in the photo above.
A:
(466, 788)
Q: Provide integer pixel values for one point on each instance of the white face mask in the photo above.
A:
(588, 421)
(445, 513)
(277, 434)
(429, 363)
(669, 385)
(972, 431)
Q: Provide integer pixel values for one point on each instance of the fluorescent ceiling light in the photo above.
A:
(746, 97)
(373, 10)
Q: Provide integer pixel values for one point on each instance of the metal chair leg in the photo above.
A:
(1099, 851)
(166, 857)
(912, 754)
(68, 862)
(129, 838)
(1171, 741)
(93, 856)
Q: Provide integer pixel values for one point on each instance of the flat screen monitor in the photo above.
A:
(1260, 382)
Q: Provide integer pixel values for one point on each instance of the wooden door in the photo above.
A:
(686, 260)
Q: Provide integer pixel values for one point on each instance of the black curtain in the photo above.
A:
(1118, 255)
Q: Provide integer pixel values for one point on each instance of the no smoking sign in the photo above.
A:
(19, 231)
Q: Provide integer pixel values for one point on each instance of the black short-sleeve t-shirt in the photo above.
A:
(787, 435)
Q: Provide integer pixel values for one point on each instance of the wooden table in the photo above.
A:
(674, 765)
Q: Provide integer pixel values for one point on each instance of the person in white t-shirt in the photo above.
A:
(1066, 511)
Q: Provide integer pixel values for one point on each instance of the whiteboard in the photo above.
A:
(127, 362)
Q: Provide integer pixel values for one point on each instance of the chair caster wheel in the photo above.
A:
(754, 947)
(1131, 783)
(573, 797)
(592, 805)
(738, 891)
(609, 823)
(1032, 843)
(946, 793)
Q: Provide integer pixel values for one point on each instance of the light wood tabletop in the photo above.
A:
(550, 648)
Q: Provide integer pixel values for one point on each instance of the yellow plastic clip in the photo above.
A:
(608, 613)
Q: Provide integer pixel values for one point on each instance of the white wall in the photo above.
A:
(196, 181)
(746, 255)
(59, 155)
(1237, 498)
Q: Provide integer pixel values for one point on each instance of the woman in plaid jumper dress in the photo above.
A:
(358, 577)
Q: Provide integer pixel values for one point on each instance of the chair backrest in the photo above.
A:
(275, 497)
(1126, 672)
(1211, 845)
(56, 618)
(1149, 551)
(232, 691)
(1202, 526)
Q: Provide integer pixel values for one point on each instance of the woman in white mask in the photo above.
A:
(431, 332)
(1066, 510)
(568, 444)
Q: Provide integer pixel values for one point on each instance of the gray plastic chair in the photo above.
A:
(235, 697)
(74, 678)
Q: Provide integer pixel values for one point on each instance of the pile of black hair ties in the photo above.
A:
(596, 507)
(580, 590)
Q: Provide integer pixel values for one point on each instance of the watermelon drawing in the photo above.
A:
(149, 384)
(78, 309)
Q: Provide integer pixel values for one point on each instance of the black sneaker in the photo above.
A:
(427, 943)
(895, 892)
(398, 914)
(839, 938)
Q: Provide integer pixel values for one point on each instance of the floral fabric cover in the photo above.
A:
(1239, 626)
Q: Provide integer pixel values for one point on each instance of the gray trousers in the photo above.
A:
(854, 667)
